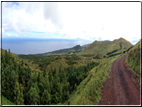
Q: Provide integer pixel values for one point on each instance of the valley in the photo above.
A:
(73, 76)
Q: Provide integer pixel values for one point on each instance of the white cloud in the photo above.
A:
(117, 19)
(8, 34)
(85, 20)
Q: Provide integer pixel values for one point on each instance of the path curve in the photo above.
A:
(119, 89)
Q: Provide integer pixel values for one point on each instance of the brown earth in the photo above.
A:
(119, 89)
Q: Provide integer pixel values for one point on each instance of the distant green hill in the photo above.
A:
(57, 63)
(72, 50)
(107, 47)
(133, 58)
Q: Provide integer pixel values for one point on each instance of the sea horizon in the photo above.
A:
(39, 45)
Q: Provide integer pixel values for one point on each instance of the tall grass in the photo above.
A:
(133, 59)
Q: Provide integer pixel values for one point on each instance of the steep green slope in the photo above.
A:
(6, 101)
(133, 58)
(88, 91)
(14, 75)
(107, 47)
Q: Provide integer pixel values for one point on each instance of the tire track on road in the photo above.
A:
(119, 89)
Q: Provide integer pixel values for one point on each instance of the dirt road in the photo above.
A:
(119, 89)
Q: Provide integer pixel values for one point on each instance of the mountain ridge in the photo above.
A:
(106, 46)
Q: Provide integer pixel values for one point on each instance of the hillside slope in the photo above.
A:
(65, 61)
(6, 101)
(88, 91)
(107, 47)
(133, 58)
(57, 63)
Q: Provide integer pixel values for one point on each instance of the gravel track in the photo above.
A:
(119, 89)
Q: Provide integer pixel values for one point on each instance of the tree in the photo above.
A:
(46, 98)
(18, 94)
(65, 89)
(33, 96)
(3, 80)
(58, 97)
(21, 100)
(44, 72)
(22, 62)
(38, 78)
(12, 80)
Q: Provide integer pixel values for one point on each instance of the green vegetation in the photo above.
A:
(72, 50)
(99, 56)
(88, 91)
(15, 76)
(35, 87)
(68, 51)
(6, 101)
(107, 47)
(62, 77)
(41, 61)
(133, 58)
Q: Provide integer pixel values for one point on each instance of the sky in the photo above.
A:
(72, 20)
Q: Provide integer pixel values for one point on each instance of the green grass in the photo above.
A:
(106, 47)
(133, 59)
(6, 101)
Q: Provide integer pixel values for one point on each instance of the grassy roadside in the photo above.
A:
(88, 91)
(133, 59)
(133, 62)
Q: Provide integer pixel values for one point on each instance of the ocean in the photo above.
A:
(37, 46)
